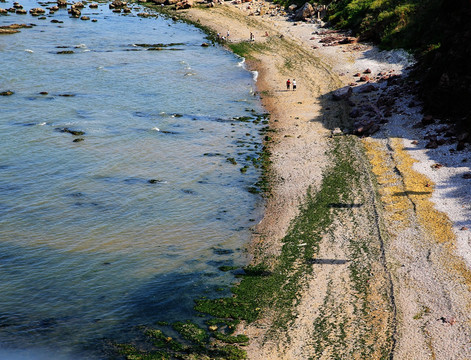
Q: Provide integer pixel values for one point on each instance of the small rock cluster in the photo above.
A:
(375, 100)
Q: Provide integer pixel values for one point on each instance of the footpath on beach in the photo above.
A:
(387, 274)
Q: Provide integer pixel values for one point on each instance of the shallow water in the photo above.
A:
(89, 246)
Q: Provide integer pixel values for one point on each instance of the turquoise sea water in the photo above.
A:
(89, 246)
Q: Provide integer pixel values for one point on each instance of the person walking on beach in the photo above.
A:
(288, 83)
(294, 84)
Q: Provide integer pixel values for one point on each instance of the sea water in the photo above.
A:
(128, 224)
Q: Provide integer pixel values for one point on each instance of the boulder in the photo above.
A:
(119, 3)
(85, 17)
(75, 12)
(347, 40)
(368, 88)
(3, 11)
(93, 6)
(342, 93)
(305, 12)
(37, 11)
(62, 3)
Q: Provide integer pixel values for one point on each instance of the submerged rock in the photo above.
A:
(8, 31)
(69, 131)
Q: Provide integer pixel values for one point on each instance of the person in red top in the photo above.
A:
(288, 83)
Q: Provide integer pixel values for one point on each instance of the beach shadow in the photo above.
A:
(389, 100)
(407, 193)
(327, 262)
(344, 206)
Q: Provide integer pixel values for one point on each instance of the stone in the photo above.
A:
(93, 6)
(85, 18)
(75, 12)
(367, 71)
(342, 93)
(368, 88)
(292, 7)
(364, 78)
(347, 40)
(62, 3)
(37, 11)
(119, 3)
(6, 93)
(306, 11)
(8, 31)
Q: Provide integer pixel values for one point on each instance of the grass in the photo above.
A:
(247, 48)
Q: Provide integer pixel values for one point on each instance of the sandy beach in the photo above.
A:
(413, 208)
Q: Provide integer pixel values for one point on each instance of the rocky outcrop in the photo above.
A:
(306, 12)
(75, 12)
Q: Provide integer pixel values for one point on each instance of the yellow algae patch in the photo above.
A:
(391, 188)
(418, 189)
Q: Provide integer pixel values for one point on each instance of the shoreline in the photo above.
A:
(426, 322)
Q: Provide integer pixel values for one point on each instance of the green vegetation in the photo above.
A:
(276, 286)
(409, 24)
(270, 284)
(245, 48)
